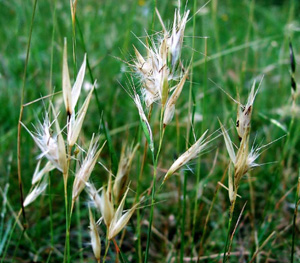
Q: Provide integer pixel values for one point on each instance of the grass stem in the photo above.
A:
(21, 115)
(231, 212)
(297, 201)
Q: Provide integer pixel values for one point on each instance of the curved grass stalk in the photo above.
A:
(21, 115)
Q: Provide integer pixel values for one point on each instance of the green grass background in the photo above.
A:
(245, 40)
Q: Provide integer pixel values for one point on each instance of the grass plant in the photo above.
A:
(121, 111)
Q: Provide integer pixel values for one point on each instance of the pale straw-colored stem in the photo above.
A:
(67, 214)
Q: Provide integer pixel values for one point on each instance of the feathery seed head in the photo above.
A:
(36, 192)
(244, 160)
(189, 155)
(38, 174)
(51, 145)
(175, 40)
(94, 195)
(83, 175)
(154, 73)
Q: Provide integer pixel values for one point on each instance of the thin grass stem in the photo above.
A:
(79, 231)
(231, 211)
(155, 163)
(52, 47)
(21, 115)
(10, 236)
(88, 66)
(297, 201)
(183, 217)
(209, 213)
(107, 243)
(139, 241)
(51, 212)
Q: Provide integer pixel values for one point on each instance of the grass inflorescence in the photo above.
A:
(149, 131)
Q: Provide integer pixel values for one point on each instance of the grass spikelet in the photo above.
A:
(38, 174)
(66, 82)
(243, 160)
(51, 145)
(120, 220)
(121, 180)
(36, 192)
(94, 195)
(62, 155)
(175, 40)
(75, 123)
(189, 155)
(170, 107)
(244, 112)
(95, 238)
(71, 95)
(83, 175)
(106, 207)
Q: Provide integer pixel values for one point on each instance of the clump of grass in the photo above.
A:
(162, 71)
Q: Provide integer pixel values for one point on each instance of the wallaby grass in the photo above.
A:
(243, 40)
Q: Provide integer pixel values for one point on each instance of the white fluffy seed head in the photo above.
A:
(51, 144)
(175, 40)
